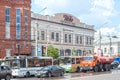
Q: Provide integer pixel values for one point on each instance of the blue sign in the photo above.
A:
(39, 50)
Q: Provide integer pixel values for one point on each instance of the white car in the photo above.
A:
(119, 66)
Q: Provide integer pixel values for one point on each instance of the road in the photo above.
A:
(110, 75)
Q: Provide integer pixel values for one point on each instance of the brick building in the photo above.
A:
(15, 27)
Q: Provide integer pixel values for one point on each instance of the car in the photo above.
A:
(5, 72)
(49, 71)
(114, 64)
(118, 66)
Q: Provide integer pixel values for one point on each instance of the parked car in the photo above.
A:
(49, 71)
(114, 64)
(5, 72)
(119, 66)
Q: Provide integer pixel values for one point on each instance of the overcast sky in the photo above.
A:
(104, 14)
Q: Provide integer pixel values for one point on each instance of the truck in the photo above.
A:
(96, 63)
(117, 59)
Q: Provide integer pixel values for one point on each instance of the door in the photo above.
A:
(55, 71)
(2, 72)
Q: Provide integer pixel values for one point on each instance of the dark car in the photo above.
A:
(49, 71)
(5, 72)
(114, 64)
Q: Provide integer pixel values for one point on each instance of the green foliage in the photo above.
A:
(52, 52)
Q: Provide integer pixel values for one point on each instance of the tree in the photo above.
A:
(52, 52)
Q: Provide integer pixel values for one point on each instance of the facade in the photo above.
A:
(15, 27)
(109, 46)
(64, 31)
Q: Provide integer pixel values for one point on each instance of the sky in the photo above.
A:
(103, 14)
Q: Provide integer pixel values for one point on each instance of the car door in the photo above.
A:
(54, 71)
(2, 72)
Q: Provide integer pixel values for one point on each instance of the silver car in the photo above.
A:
(5, 72)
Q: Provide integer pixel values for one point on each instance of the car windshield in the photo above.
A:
(65, 60)
(15, 63)
(88, 58)
(46, 68)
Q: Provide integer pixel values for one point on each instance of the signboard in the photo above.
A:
(39, 50)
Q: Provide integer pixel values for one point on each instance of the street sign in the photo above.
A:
(39, 50)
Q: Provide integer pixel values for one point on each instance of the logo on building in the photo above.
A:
(68, 18)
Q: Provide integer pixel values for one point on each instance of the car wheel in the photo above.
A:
(49, 74)
(8, 77)
(78, 69)
(95, 69)
(28, 74)
(62, 73)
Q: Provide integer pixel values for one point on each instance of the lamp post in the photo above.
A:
(100, 37)
(36, 39)
(36, 33)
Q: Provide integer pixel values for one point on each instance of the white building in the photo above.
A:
(109, 46)
(63, 31)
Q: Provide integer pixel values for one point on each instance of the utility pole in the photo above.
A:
(36, 50)
(110, 46)
(100, 37)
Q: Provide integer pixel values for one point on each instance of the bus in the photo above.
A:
(70, 63)
(26, 66)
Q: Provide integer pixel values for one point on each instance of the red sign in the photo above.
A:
(68, 18)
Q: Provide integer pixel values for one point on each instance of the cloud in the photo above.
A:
(100, 12)
(92, 12)
(106, 31)
(76, 7)
(52, 5)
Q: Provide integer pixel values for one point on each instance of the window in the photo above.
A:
(18, 19)
(18, 31)
(78, 60)
(7, 30)
(7, 22)
(26, 24)
(26, 31)
(7, 14)
(80, 39)
(42, 35)
(90, 41)
(38, 35)
(22, 63)
(87, 40)
(26, 16)
(8, 54)
(69, 38)
(18, 24)
(65, 37)
(17, 11)
(77, 39)
(57, 36)
(52, 35)
(73, 60)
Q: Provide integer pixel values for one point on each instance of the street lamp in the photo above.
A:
(36, 39)
(100, 37)
(36, 52)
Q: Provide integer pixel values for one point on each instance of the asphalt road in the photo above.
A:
(110, 75)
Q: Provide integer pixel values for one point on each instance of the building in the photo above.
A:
(64, 31)
(109, 46)
(15, 27)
